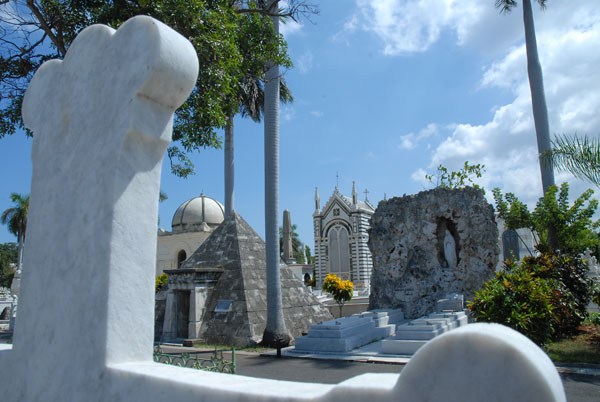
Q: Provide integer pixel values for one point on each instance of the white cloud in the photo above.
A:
(410, 141)
(407, 26)
(287, 113)
(305, 61)
(316, 113)
(506, 144)
(290, 28)
(419, 177)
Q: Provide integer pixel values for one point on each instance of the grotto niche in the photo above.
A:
(431, 244)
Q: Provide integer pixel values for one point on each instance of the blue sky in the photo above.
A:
(387, 90)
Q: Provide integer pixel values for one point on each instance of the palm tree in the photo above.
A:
(578, 156)
(275, 333)
(536, 85)
(538, 97)
(252, 98)
(16, 219)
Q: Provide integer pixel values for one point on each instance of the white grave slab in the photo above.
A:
(102, 120)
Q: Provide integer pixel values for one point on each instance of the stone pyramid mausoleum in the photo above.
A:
(223, 285)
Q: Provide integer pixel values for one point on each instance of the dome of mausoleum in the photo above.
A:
(199, 214)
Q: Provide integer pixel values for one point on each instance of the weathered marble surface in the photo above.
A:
(102, 120)
(428, 245)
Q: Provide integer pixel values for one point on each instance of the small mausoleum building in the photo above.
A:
(341, 235)
(192, 223)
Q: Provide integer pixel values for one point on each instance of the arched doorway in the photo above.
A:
(181, 256)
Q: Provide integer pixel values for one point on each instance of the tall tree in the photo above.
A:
(16, 219)
(32, 32)
(536, 86)
(276, 333)
(252, 97)
(538, 96)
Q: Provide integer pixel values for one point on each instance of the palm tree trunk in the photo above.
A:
(540, 110)
(275, 333)
(229, 167)
(21, 242)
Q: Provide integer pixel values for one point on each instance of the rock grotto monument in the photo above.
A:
(429, 245)
(102, 119)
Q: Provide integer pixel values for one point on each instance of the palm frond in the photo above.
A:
(579, 156)
(505, 5)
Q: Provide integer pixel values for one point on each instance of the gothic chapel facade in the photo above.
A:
(341, 236)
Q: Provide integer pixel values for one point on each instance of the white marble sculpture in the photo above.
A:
(450, 249)
(102, 120)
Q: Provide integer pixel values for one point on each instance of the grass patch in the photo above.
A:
(257, 349)
(582, 348)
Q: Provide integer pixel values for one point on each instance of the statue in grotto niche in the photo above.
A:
(450, 249)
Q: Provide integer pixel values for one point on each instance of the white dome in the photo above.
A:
(198, 215)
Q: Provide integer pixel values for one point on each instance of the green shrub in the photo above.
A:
(572, 289)
(593, 318)
(519, 300)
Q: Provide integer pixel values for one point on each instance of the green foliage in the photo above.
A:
(231, 45)
(517, 299)
(515, 214)
(573, 224)
(8, 255)
(462, 178)
(578, 156)
(160, 282)
(509, 300)
(309, 257)
(593, 319)
(572, 289)
(339, 289)
(297, 251)
(16, 217)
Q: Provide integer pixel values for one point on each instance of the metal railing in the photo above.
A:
(215, 363)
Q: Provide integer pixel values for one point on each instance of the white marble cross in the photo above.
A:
(102, 120)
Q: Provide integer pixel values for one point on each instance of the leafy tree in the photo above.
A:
(340, 290)
(573, 225)
(462, 178)
(515, 214)
(578, 156)
(224, 33)
(16, 219)
(8, 255)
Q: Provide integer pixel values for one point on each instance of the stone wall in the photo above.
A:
(428, 245)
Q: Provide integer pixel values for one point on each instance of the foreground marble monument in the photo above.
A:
(102, 121)
(428, 245)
